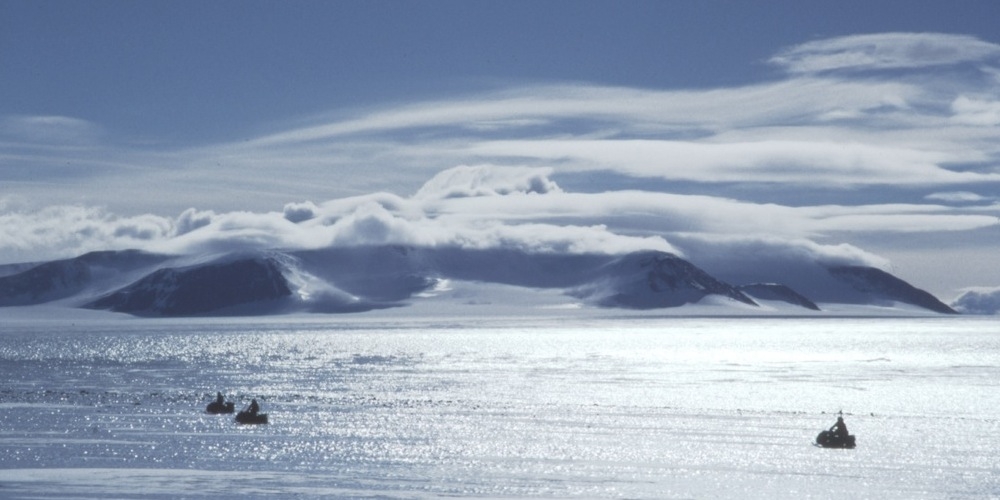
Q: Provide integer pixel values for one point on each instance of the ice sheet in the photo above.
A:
(599, 408)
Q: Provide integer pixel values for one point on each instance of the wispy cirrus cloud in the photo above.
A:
(50, 130)
(885, 51)
(766, 161)
(959, 197)
(827, 131)
(618, 109)
(489, 168)
(814, 127)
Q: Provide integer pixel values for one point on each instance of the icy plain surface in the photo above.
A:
(598, 408)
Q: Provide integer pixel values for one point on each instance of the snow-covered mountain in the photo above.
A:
(218, 287)
(875, 286)
(67, 278)
(362, 278)
(651, 280)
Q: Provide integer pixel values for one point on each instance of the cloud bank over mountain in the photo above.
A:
(978, 301)
(475, 225)
(466, 207)
(445, 280)
(885, 137)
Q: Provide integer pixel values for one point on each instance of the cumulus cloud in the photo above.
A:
(298, 212)
(373, 224)
(885, 51)
(64, 231)
(497, 207)
(377, 219)
(978, 301)
(738, 241)
(484, 180)
(192, 219)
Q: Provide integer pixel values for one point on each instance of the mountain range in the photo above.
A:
(366, 278)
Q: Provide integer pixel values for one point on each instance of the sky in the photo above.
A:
(711, 129)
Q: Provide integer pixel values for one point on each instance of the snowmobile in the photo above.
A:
(216, 407)
(249, 415)
(245, 417)
(836, 436)
(827, 439)
(220, 405)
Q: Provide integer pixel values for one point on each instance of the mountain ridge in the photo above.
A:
(358, 279)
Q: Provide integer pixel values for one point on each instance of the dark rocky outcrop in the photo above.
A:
(353, 279)
(778, 292)
(648, 280)
(59, 279)
(204, 289)
(879, 285)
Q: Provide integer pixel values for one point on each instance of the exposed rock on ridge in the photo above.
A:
(208, 288)
(354, 279)
(648, 280)
(60, 279)
(880, 285)
(777, 291)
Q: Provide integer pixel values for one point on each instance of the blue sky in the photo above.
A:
(867, 124)
(192, 71)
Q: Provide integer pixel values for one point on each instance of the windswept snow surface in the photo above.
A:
(107, 406)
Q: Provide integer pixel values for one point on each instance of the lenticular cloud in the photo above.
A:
(376, 219)
(468, 207)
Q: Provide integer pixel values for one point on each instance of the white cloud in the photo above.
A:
(65, 231)
(958, 197)
(483, 180)
(298, 212)
(976, 112)
(372, 224)
(824, 128)
(821, 131)
(798, 263)
(885, 51)
(192, 219)
(771, 161)
(723, 248)
(499, 207)
(49, 129)
(665, 213)
(542, 108)
(978, 301)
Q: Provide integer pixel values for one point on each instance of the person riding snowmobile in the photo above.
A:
(839, 429)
